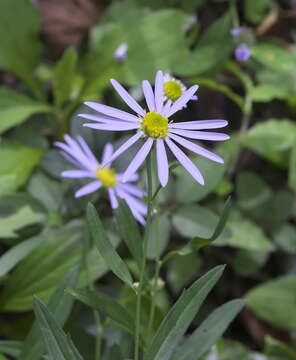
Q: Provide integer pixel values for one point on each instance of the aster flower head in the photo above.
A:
(120, 52)
(242, 52)
(87, 166)
(174, 88)
(155, 127)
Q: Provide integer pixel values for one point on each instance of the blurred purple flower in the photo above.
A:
(242, 52)
(236, 31)
(79, 154)
(120, 52)
(155, 127)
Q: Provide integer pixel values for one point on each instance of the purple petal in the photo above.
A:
(132, 189)
(70, 159)
(89, 188)
(136, 204)
(129, 100)
(200, 135)
(107, 153)
(78, 154)
(162, 163)
(197, 149)
(138, 160)
(183, 100)
(110, 111)
(124, 147)
(166, 108)
(87, 150)
(185, 162)
(103, 119)
(149, 96)
(159, 95)
(199, 124)
(131, 205)
(112, 197)
(77, 174)
(113, 127)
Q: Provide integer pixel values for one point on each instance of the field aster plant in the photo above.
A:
(79, 154)
(155, 127)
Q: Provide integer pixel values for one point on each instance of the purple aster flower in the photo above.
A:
(154, 127)
(120, 52)
(174, 88)
(242, 52)
(236, 31)
(87, 166)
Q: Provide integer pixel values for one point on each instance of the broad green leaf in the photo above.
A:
(2, 357)
(106, 249)
(7, 184)
(274, 301)
(247, 263)
(231, 350)
(58, 345)
(210, 330)
(266, 93)
(273, 56)
(19, 39)
(23, 217)
(60, 304)
(177, 321)
(11, 348)
(129, 230)
(17, 161)
(188, 191)
(285, 238)
(162, 226)
(63, 75)
(272, 139)
(15, 108)
(105, 304)
(255, 10)
(292, 169)
(276, 350)
(17, 253)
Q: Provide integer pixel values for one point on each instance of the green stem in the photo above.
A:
(145, 245)
(234, 14)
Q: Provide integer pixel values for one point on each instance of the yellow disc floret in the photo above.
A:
(172, 90)
(106, 176)
(155, 125)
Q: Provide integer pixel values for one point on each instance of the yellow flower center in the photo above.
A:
(106, 176)
(172, 90)
(155, 125)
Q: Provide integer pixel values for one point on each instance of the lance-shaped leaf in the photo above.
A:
(180, 316)
(58, 345)
(10, 347)
(103, 244)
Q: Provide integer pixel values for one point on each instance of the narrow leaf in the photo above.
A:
(11, 348)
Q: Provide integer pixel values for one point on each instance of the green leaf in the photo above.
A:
(274, 301)
(105, 304)
(7, 184)
(19, 39)
(154, 249)
(63, 75)
(209, 331)
(129, 230)
(15, 108)
(256, 10)
(292, 169)
(58, 345)
(247, 263)
(188, 191)
(60, 304)
(11, 348)
(272, 139)
(23, 217)
(285, 238)
(107, 251)
(177, 321)
(266, 93)
(17, 253)
(17, 161)
(276, 350)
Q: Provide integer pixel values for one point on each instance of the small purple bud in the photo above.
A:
(242, 53)
(236, 31)
(120, 52)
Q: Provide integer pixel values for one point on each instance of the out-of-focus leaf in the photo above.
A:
(19, 39)
(129, 229)
(106, 249)
(285, 238)
(7, 184)
(180, 316)
(155, 249)
(266, 93)
(17, 253)
(11, 348)
(247, 263)
(24, 217)
(292, 169)
(274, 301)
(211, 329)
(273, 56)
(272, 139)
(108, 306)
(15, 108)
(255, 10)
(17, 161)
(276, 350)
(60, 304)
(58, 345)
(63, 76)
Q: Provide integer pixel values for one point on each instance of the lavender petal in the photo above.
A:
(133, 190)
(113, 127)
(87, 150)
(199, 124)
(104, 119)
(136, 204)
(183, 100)
(112, 197)
(77, 153)
(166, 108)
(89, 188)
(162, 163)
(148, 93)
(159, 93)
(77, 174)
(185, 162)
(110, 111)
(138, 160)
(71, 160)
(107, 153)
(127, 98)
(200, 135)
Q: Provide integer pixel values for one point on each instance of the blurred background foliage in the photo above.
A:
(55, 54)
